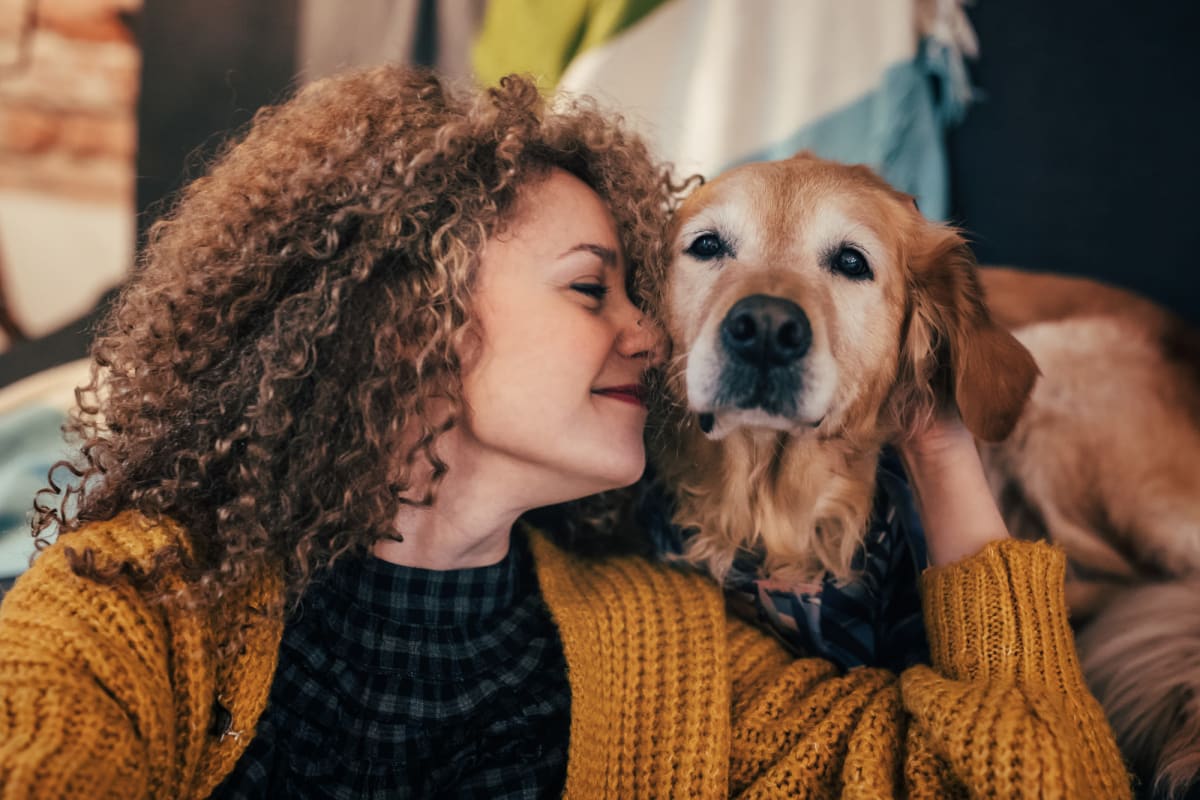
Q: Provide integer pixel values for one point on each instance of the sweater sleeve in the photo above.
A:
(1002, 711)
(1005, 672)
(80, 716)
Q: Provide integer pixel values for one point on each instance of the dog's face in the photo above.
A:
(787, 296)
(814, 315)
(809, 297)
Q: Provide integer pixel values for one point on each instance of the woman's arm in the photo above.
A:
(956, 506)
(1004, 698)
(1001, 646)
(77, 698)
(1002, 712)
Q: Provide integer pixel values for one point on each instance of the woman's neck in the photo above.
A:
(438, 538)
(469, 523)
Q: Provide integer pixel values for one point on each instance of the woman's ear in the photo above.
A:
(953, 349)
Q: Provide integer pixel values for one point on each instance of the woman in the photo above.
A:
(388, 323)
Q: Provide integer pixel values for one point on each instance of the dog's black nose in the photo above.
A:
(766, 330)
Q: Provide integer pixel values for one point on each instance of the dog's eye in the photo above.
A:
(706, 246)
(851, 263)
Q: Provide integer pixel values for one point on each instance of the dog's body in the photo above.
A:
(816, 316)
(1105, 461)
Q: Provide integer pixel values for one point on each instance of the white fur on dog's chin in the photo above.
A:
(702, 376)
(727, 421)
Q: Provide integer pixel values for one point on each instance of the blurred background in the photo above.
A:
(1059, 134)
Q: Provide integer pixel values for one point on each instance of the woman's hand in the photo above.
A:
(956, 505)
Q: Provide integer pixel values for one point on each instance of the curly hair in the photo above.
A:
(268, 376)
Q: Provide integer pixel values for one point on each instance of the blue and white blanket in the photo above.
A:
(716, 83)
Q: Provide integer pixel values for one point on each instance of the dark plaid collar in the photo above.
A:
(396, 682)
(384, 617)
(432, 598)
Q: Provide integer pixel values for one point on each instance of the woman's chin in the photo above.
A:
(626, 473)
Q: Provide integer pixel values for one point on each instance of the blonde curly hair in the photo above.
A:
(268, 375)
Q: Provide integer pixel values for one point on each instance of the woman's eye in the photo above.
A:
(851, 263)
(597, 291)
(706, 246)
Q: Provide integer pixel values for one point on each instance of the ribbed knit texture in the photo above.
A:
(649, 644)
(103, 695)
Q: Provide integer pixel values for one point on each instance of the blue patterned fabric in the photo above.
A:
(871, 620)
(31, 440)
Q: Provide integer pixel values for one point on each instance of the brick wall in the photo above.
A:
(68, 97)
(69, 72)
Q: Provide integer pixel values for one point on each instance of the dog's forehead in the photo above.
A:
(781, 202)
(755, 187)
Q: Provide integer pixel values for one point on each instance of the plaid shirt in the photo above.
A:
(397, 682)
(872, 619)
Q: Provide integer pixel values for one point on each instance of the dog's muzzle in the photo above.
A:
(764, 340)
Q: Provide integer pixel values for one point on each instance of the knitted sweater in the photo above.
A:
(103, 695)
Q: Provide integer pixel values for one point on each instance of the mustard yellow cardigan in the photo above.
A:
(103, 695)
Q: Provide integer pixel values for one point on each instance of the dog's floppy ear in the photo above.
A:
(953, 351)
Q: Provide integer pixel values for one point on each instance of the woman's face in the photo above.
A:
(554, 394)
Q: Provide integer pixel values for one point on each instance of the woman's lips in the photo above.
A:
(632, 393)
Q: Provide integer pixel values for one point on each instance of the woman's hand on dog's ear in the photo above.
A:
(936, 436)
(957, 509)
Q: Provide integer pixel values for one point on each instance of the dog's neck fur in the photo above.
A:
(802, 499)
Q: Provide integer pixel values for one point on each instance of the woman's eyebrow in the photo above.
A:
(605, 254)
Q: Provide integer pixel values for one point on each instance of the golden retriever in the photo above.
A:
(816, 315)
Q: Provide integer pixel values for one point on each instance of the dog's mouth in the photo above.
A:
(765, 398)
(756, 387)
(716, 427)
(720, 422)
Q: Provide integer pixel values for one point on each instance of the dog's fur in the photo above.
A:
(1105, 461)
(780, 457)
(796, 478)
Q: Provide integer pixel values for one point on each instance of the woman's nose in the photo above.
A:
(642, 337)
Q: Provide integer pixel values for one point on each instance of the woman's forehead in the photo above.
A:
(562, 209)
